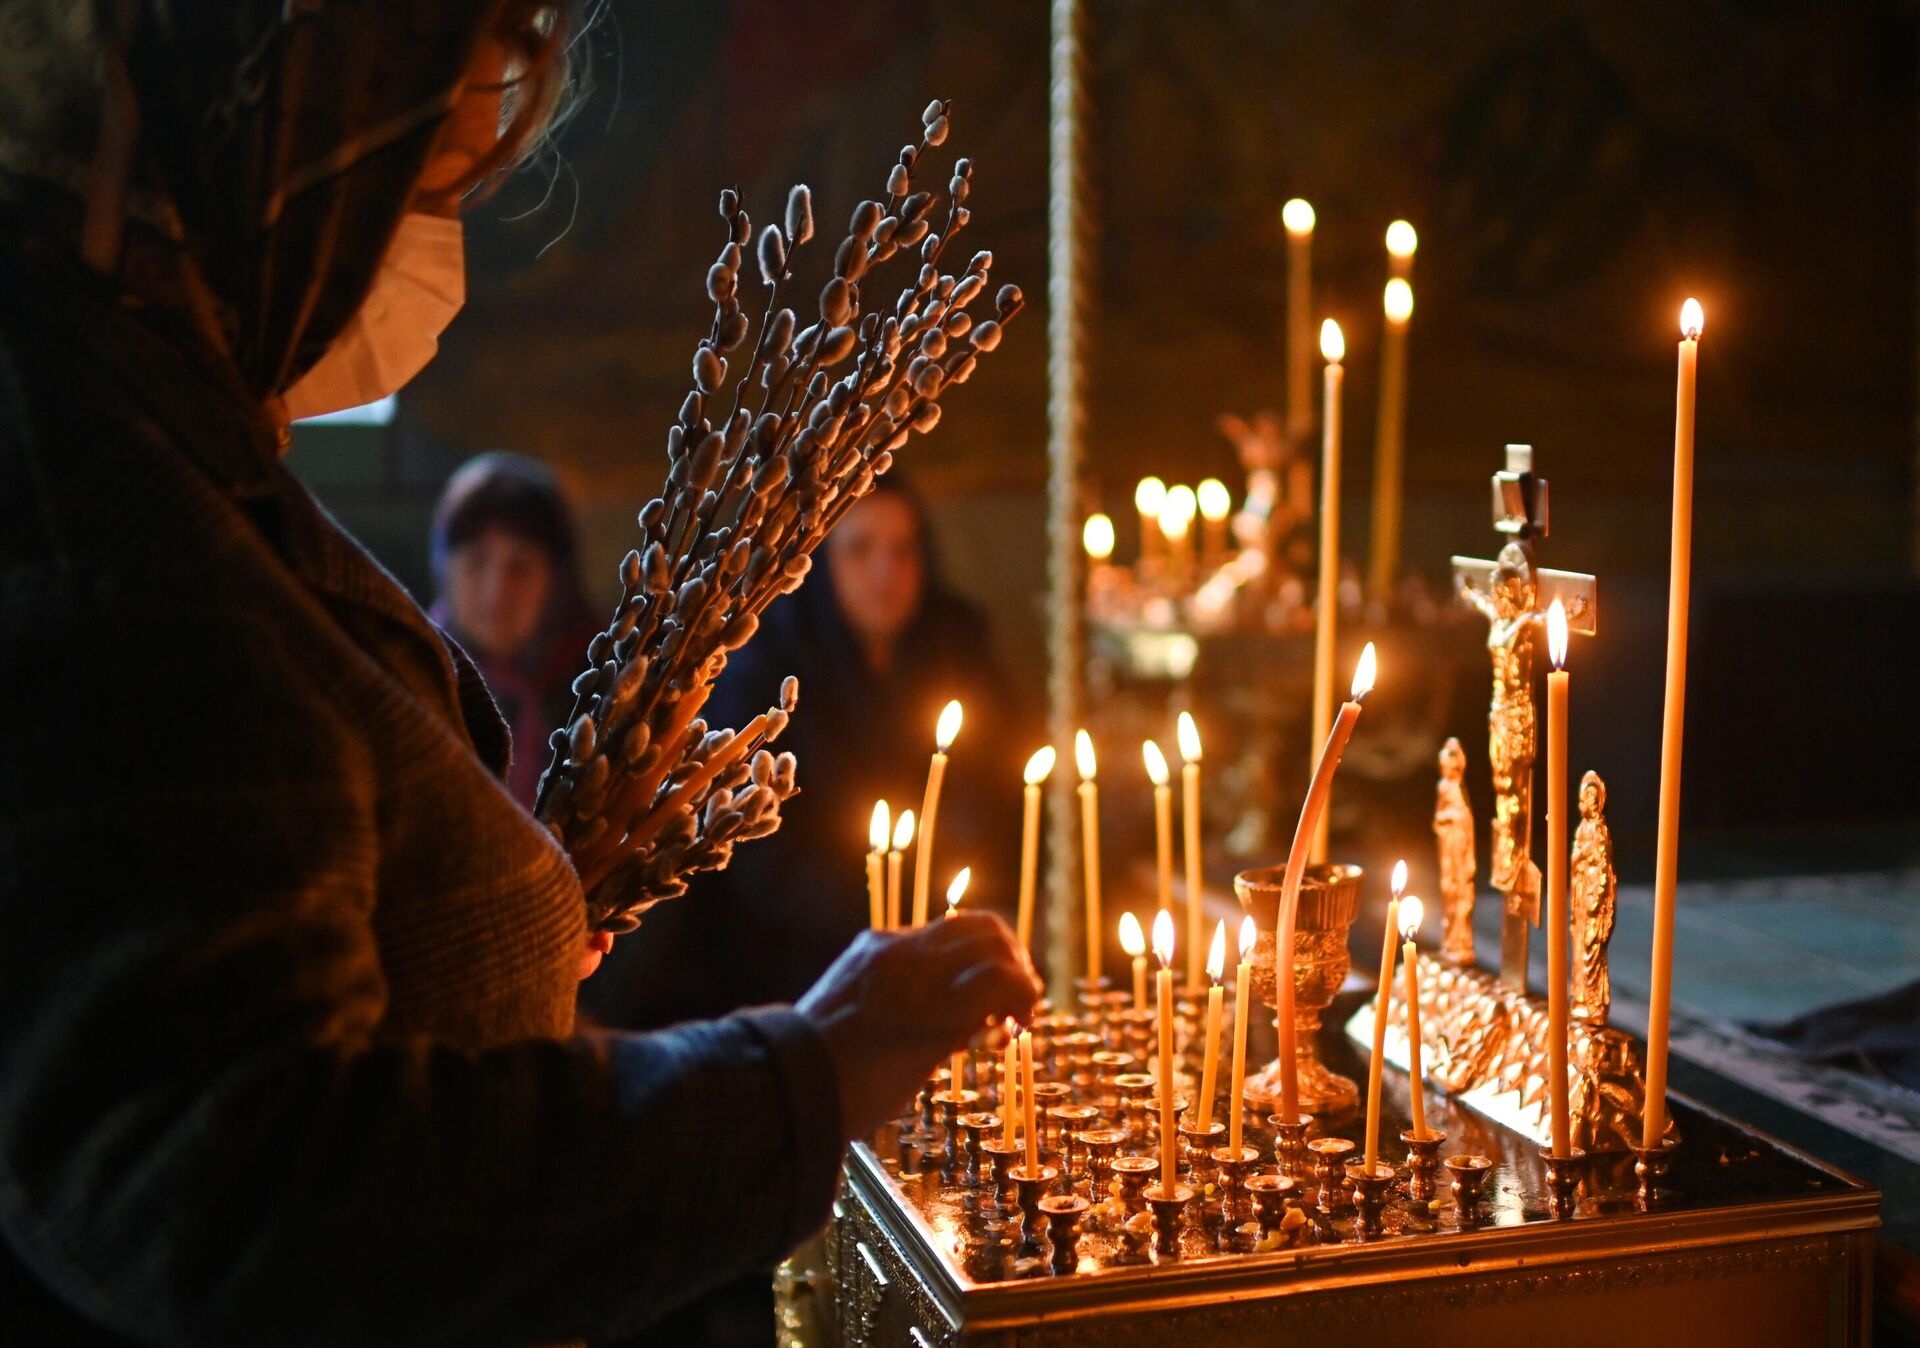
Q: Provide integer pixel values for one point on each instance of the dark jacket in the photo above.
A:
(769, 924)
(286, 977)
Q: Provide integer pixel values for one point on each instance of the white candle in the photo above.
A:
(1189, 735)
(1210, 1065)
(1666, 866)
(1333, 346)
(944, 732)
(1039, 768)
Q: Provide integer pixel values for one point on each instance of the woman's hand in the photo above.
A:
(599, 945)
(895, 1003)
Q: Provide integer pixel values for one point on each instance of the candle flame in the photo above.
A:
(1083, 755)
(949, 726)
(1411, 911)
(1132, 939)
(1399, 878)
(1398, 301)
(1333, 342)
(1557, 634)
(1215, 500)
(1189, 738)
(1156, 762)
(1097, 537)
(1182, 501)
(903, 831)
(1297, 216)
(1040, 766)
(1249, 937)
(1173, 524)
(958, 889)
(1363, 673)
(1217, 952)
(1401, 239)
(1163, 938)
(1149, 496)
(1692, 319)
(879, 826)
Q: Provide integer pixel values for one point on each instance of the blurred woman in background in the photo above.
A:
(507, 569)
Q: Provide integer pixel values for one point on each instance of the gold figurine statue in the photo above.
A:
(1453, 835)
(1594, 890)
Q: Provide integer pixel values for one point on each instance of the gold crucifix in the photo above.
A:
(1514, 594)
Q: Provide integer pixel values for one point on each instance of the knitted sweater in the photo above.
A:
(286, 976)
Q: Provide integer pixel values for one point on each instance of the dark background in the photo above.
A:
(1574, 170)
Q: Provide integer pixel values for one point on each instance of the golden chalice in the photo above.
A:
(1329, 895)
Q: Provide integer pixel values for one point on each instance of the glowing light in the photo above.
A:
(1249, 937)
(1411, 911)
(949, 726)
(1149, 496)
(1174, 524)
(1097, 537)
(1156, 762)
(1217, 952)
(1692, 319)
(1083, 755)
(1189, 738)
(958, 889)
(1399, 882)
(1333, 342)
(1402, 239)
(1363, 673)
(1297, 216)
(1163, 938)
(1132, 939)
(903, 831)
(1040, 766)
(1398, 301)
(1216, 502)
(1557, 634)
(880, 825)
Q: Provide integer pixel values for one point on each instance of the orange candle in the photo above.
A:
(1210, 1065)
(957, 1070)
(877, 830)
(943, 736)
(1297, 216)
(1149, 498)
(1009, 1097)
(1388, 442)
(1134, 942)
(1090, 844)
(1162, 821)
(1559, 920)
(1333, 346)
(1190, 837)
(1039, 768)
(1242, 991)
(1027, 1102)
(902, 840)
(1163, 951)
(1380, 1026)
(1666, 866)
(1310, 811)
(1410, 913)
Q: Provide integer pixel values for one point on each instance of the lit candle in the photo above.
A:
(1009, 1096)
(1666, 865)
(1148, 499)
(1380, 1018)
(1326, 605)
(1039, 768)
(1402, 240)
(1190, 837)
(1210, 1065)
(1559, 922)
(1310, 811)
(1096, 536)
(1410, 912)
(1027, 1102)
(902, 840)
(1134, 942)
(877, 830)
(943, 735)
(1388, 441)
(1162, 821)
(1163, 951)
(957, 1072)
(1090, 844)
(1216, 504)
(1297, 216)
(1242, 994)
(1176, 526)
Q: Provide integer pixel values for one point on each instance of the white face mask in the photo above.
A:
(420, 286)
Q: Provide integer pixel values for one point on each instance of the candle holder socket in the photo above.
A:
(1423, 1163)
(1064, 1213)
(1196, 1151)
(1047, 1096)
(1070, 1123)
(952, 1104)
(1468, 1174)
(1564, 1174)
(1135, 1089)
(1290, 1145)
(973, 1131)
(1651, 1166)
(1168, 1209)
(1078, 1049)
(1102, 1146)
(1370, 1186)
(1002, 1156)
(1271, 1196)
(1031, 1187)
(1329, 1162)
(1087, 995)
(1233, 1171)
(1133, 1172)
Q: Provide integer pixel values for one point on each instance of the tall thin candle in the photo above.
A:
(1333, 346)
(1190, 837)
(1297, 216)
(1149, 497)
(1402, 241)
(1210, 1065)
(1242, 993)
(878, 829)
(1027, 1104)
(1134, 942)
(957, 1070)
(1389, 434)
(1039, 768)
(1666, 865)
(1380, 1021)
(1559, 921)
(1090, 844)
(1310, 810)
(1163, 982)
(1162, 822)
(1009, 1086)
(943, 736)
(902, 840)
(1410, 914)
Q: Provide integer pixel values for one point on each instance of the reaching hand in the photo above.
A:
(895, 1003)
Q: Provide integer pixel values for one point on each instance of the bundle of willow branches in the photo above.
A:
(640, 790)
